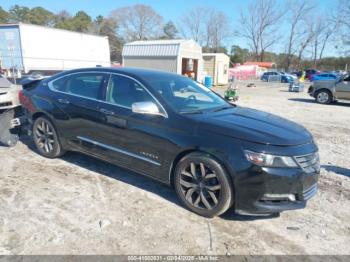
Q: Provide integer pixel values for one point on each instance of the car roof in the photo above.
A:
(322, 74)
(130, 71)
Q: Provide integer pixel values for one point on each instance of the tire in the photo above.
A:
(46, 138)
(323, 97)
(203, 185)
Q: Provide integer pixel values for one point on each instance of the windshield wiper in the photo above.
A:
(192, 112)
(222, 108)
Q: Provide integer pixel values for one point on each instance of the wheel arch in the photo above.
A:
(36, 115)
(184, 153)
(325, 89)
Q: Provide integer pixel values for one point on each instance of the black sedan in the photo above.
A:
(216, 155)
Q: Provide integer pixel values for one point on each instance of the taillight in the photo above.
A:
(25, 101)
(20, 96)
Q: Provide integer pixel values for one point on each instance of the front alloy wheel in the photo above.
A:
(323, 97)
(46, 139)
(202, 185)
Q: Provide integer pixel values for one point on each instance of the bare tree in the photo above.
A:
(138, 22)
(259, 26)
(217, 30)
(208, 27)
(343, 24)
(323, 28)
(297, 34)
(192, 24)
(305, 38)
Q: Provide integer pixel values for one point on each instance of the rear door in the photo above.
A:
(342, 88)
(77, 95)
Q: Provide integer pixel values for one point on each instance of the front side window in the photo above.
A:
(347, 78)
(85, 84)
(125, 91)
(185, 95)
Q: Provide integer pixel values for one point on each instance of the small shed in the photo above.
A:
(177, 56)
(216, 65)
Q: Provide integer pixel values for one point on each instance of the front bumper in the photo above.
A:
(263, 190)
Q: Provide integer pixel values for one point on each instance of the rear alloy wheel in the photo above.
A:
(203, 185)
(46, 139)
(323, 97)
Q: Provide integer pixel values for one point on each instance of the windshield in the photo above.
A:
(185, 95)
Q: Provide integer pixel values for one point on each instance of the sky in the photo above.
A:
(168, 9)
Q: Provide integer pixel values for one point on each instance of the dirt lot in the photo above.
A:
(79, 205)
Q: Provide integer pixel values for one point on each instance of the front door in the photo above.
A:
(128, 139)
(342, 88)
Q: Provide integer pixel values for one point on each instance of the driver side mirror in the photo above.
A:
(146, 108)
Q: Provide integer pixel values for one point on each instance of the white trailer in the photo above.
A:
(32, 48)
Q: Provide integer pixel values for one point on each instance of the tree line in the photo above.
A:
(303, 39)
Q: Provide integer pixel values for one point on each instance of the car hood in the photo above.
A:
(255, 126)
(4, 83)
(324, 83)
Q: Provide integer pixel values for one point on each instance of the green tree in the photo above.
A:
(108, 27)
(239, 55)
(4, 16)
(41, 16)
(81, 22)
(170, 31)
(19, 14)
(62, 19)
(219, 49)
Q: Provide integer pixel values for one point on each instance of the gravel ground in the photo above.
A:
(80, 205)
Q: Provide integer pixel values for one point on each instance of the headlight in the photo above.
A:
(267, 160)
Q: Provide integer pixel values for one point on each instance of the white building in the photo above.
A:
(216, 65)
(177, 56)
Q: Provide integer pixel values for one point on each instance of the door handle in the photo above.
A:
(63, 101)
(106, 112)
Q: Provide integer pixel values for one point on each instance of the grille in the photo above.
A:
(6, 104)
(310, 192)
(309, 163)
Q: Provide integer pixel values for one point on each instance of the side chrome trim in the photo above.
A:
(118, 150)
(49, 84)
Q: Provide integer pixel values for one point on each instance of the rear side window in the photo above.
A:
(85, 84)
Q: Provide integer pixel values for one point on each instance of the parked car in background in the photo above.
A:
(270, 76)
(179, 132)
(10, 112)
(8, 94)
(310, 73)
(298, 74)
(323, 76)
(277, 76)
(288, 78)
(326, 92)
